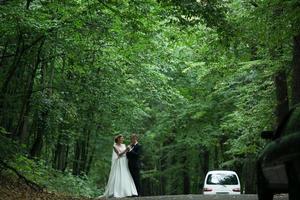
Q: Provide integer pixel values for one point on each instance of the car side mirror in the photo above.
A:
(267, 135)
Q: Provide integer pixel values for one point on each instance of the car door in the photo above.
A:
(281, 150)
(290, 142)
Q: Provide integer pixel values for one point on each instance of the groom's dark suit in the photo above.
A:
(134, 165)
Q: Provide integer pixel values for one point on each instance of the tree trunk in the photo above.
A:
(216, 157)
(37, 146)
(26, 102)
(282, 96)
(61, 155)
(42, 116)
(28, 4)
(249, 173)
(3, 54)
(18, 132)
(186, 177)
(79, 164)
(25, 134)
(163, 165)
(11, 72)
(90, 160)
(205, 162)
(296, 71)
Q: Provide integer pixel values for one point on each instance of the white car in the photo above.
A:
(222, 182)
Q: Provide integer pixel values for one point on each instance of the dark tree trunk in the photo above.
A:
(25, 133)
(89, 162)
(18, 133)
(216, 157)
(162, 177)
(222, 141)
(164, 165)
(282, 96)
(81, 150)
(42, 116)
(296, 71)
(16, 61)
(186, 176)
(249, 173)
(204, 164)
(37, 146)
(3, 54)
(28, 4)
(60, 160)
(11, 72)
(79, 164)
(76, 162)
(174, 185)
(21, 48)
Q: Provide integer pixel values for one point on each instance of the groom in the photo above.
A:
(134, 162)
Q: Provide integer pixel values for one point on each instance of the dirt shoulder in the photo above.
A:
(16, 189)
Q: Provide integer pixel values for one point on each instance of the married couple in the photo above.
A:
(124, 177)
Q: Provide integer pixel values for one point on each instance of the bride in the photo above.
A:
(120, 182)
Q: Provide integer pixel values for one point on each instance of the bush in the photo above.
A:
(42, 174)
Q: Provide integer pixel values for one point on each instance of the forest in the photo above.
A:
(197, 80)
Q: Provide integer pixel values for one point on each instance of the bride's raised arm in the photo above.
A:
(120, 153)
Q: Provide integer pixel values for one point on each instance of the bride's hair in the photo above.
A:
(118, 137)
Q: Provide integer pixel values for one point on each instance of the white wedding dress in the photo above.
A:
(120, 183)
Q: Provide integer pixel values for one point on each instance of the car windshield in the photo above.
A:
(222, 179)
(293, 124)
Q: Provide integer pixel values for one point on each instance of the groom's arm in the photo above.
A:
(136, 151)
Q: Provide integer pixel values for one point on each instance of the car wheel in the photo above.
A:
(294, 182)
(263, 192)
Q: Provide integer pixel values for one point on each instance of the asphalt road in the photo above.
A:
(206, 197)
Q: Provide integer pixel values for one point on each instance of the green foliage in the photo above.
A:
(53, 180)
(8, 148)
(39, 172)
